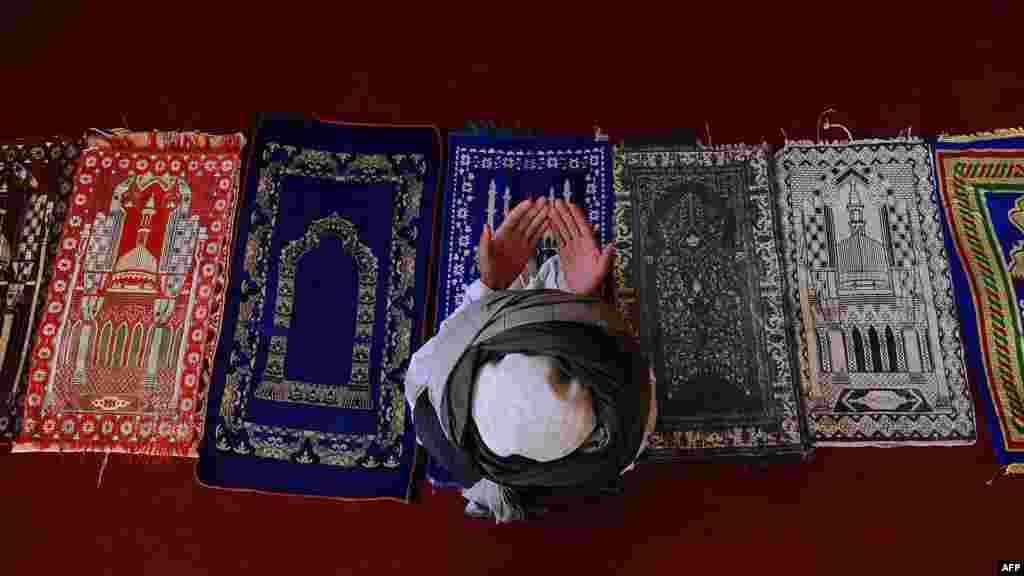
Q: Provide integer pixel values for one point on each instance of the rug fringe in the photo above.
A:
(1003, 469)
(171, 141)
(1017, 468)
(805, 143)
(989, 135)
(150, 453)
(103, 466)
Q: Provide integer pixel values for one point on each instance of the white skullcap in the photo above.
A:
(525, 405)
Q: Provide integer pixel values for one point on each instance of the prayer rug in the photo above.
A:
(487, 176)
(35, 180)
(981, 182)
(880, 356)
(698, 272)
(327, 298)
(134, 304)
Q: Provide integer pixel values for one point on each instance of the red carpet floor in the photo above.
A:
(640, 69)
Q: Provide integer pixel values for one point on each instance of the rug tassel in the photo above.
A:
(1005, 470)
(820, 118)
(103, 466)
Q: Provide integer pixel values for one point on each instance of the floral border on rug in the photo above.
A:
(163, 413)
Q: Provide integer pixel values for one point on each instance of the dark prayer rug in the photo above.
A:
(326, 303)
(699, 273)
(35, 180)
(880, 355)
(487, 176)
(981, 186)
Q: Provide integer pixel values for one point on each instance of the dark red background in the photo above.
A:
(636, 68)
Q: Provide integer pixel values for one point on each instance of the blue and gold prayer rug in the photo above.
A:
(487, 176)
(326, 303)
(981, 189)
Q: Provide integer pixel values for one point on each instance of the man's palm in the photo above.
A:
(584, 265)
(504, 255)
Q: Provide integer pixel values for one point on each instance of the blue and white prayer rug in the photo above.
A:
(487, 176)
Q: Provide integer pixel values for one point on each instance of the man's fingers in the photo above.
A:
(539, 207)
(568, 218)
(555, 229)
(538, 233)
(484, 255)
(517, 213)
(604, 265)
(560, 222)
(485, 240)
(540, 216)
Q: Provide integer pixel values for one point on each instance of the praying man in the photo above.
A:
(533, 382)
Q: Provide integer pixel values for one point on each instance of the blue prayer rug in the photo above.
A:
(487, 176)
(980, 181)
(326, 303)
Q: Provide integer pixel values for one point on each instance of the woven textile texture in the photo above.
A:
(35, 180)
(487, 176)
(327, 300)
(881, 361)
(699, 274)
(981, 186)
(133, 307)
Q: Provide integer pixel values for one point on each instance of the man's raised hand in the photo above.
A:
(504, 255)
(583, 264)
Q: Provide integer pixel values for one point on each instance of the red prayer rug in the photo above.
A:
(133, 312)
